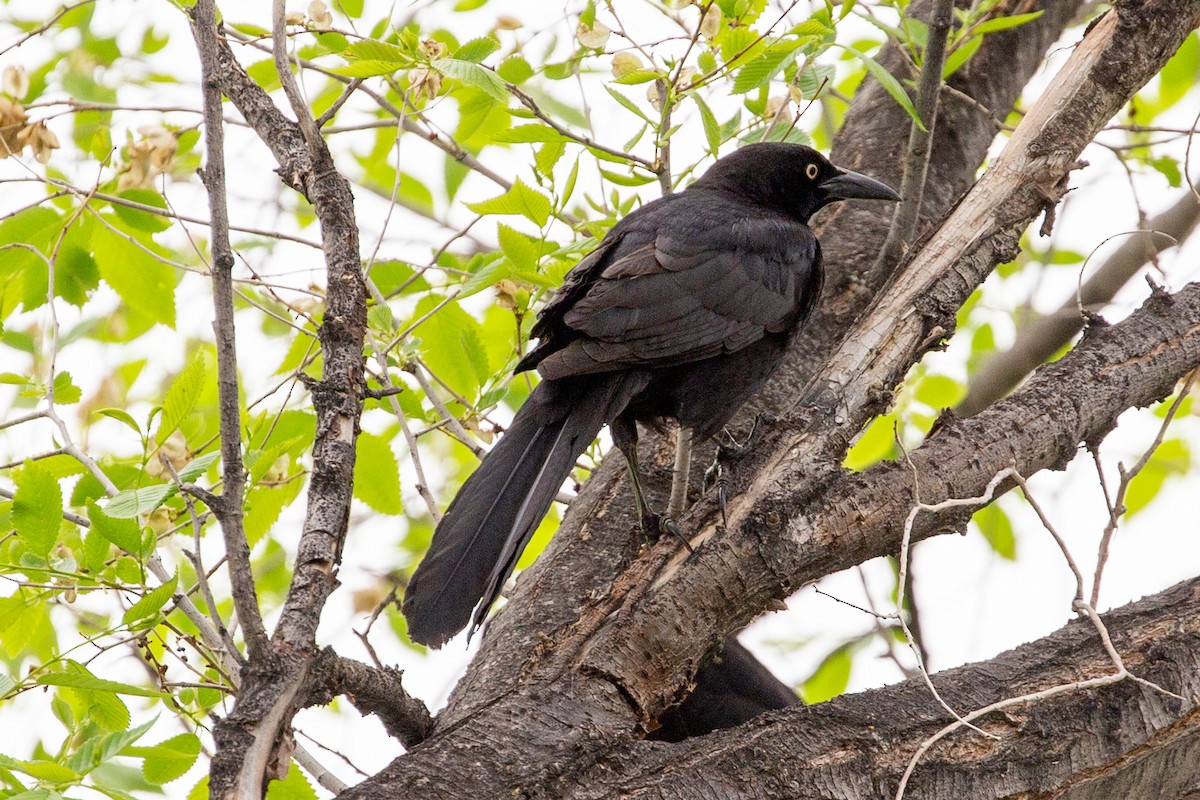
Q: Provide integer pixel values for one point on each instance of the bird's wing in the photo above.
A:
(690, 293)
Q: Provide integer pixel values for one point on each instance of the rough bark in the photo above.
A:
(1121, 740)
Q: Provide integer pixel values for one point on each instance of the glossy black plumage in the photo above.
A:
(731, 689)
(682, 312)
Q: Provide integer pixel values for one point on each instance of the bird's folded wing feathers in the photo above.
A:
(688, 297)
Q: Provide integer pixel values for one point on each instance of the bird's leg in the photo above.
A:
(624, 433)
(679, 478)
(715, 474)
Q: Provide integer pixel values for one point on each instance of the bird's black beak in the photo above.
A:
(849, 185)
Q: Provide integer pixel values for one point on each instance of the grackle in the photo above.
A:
(681, 312)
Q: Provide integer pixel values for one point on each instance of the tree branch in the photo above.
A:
(230, 508)
(1101, 743)
(1045, 336)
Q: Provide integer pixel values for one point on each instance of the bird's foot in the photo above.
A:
(716, 475)
(657, 525)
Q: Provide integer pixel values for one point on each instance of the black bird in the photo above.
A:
(682, 312)
(733, 688)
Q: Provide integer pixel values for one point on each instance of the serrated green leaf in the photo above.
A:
(763, 67)
(136, 217)
(637, 76)
(961, 55)
(181, 397)
(521, 200)
(166, 761)
(365, 68)
(517, 247)
(293, 787)
(452, 346)
(48, 771)
(37, 508)
(1004, 23)
(375, 50)
(87, 682)
(515, 69)
(530, 133)
(121, 416)
(633, 179)
(142, 280)
(377, 474)
(474, 75)
(889, 83)
(477, 50)
(65, 392)
(131, 502)
(197, 466)
(712, 129)
(151, 602)
(123, 532)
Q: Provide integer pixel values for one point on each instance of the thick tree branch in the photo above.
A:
(1045, 336)
(1103, 743)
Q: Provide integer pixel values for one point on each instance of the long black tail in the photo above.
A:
(489, 522)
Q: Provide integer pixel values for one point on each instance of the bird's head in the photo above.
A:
(791, 177)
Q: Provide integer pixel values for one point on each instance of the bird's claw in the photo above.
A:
(659, 524)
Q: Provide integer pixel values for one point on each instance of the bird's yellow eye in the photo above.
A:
(811, 171)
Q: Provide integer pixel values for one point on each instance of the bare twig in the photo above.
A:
(920, 138)
(230, 507)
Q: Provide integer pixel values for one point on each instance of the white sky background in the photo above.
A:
(973, 603)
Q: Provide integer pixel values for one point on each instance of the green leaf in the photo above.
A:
(477, 50)
(712, 129)
(198, 466)
(521, 250)
(627, 180)
(131, 502)
(166, 761)
(637, 76)
(831, 677)
(121, 531)
(876, 443)
(452, 346)
(121, 416)
(627, 104)
(474, 75)
(143, 220)
(961, 55)
(377, 474)
(515, 69)
(888, 81)
(88, 682)
(293, 787)
(181, 397)
(521, 200)
(65, 392)
(151, 602)
(939, 391)
(997, 529)
(530, 133)
(761, 69)
(142, 280)
(1004, 23)
(374, 50)
(37, 508)
(1173, 457)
